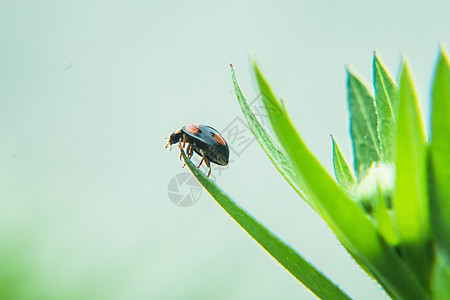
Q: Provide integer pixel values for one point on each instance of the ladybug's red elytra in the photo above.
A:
(203, 140)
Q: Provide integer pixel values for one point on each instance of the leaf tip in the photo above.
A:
(405, 71)
(376, 58)
(253, 59)
(233, 75)
(232, 69)
(347, 68)
(443, 53)
(351, 71)
(256, 67)
(353, 77)
(333, 141)
(404, 60)
(375, 55)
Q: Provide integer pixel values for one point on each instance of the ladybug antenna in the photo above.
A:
(168, 144)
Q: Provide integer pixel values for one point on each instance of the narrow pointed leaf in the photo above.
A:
(273, 151)
(343, 173)
(363, 125)
(352, 227)
(440, 157)
(386, 104)
(411, 194)
(301, 269)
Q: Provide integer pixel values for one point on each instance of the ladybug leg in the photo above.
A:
(183, 139)
(208, 165)
(203, 158)
(181, 145)
(181, 149)
(190, 150)
(168, 146)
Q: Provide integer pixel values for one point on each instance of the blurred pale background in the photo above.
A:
(90, 89)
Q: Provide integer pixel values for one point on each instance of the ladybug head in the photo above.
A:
(174, 138)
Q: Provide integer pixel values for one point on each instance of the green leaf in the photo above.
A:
(363, 125)
(411, 191)
(440, 279)
(343, 173)
(352, 227)
(439, 160)
(273, 151)
(384, 218)
(306, 273)
(386, 104)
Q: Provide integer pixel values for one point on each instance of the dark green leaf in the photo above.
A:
(283, 253)
(343, 173)
(386, 104)
(363, 125)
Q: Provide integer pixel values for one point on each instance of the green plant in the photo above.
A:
(393, 213)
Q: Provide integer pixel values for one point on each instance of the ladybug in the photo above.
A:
(203, 140)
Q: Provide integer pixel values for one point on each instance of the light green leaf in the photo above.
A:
(352, 227)
(384, 218)
(363, 125)
(411, 191)
(386, 104)
(440, 157)
(343, 173)
(301, 269)
(273, 151)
